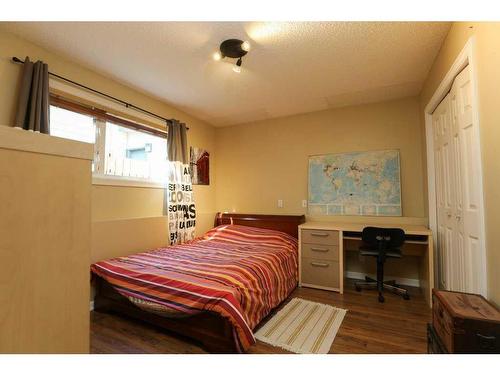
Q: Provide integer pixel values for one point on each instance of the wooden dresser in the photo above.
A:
(320, 258)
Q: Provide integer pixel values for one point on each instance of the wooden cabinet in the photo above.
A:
(320, 259)
(45, 187)
(434, 344)
(465, 323)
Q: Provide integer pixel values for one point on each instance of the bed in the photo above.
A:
(214, 289)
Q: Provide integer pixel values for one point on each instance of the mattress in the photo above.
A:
(240, 273)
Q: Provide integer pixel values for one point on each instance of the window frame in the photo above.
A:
(99, 177)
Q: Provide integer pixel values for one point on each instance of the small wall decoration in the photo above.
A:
(199, 164)
(355, 183)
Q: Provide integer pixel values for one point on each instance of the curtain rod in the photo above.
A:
(122, 102)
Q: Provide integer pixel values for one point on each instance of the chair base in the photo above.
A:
(389, 285)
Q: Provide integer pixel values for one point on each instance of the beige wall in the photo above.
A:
(262, 162)
(109, 202)
(113, 238)
(487, 37)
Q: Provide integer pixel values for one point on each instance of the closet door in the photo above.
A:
(458, 190)
(444, 188)
(469, 211)
(457, 280)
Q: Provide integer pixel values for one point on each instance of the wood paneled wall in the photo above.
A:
(44, 244)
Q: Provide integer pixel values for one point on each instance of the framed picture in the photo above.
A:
(199, 165)
(355, 183)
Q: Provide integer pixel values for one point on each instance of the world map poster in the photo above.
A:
(355, 183)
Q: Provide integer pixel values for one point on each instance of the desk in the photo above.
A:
(418, 240)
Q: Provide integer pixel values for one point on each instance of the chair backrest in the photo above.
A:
(383, 238)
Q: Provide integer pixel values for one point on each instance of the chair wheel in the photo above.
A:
(358, 288)
(406, 296)
(381, 298)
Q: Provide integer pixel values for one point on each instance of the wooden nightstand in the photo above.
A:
(321, 259)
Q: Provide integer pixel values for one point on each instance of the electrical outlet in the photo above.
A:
(304, 203)
(280, 203)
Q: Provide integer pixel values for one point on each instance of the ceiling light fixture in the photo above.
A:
(235, 49)
(237, 66)
(245, 46)
(217, 56)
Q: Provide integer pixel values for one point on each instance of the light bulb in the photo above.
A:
(245, 46)
(217, 56)
(237, 67)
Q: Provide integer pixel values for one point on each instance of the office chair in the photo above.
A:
(382, 243)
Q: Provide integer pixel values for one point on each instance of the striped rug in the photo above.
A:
(303, 327)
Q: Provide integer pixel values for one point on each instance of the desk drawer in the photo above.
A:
(320, 272)
(328, 252)
(321, 237)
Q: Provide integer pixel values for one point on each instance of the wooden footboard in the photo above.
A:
(213, 332)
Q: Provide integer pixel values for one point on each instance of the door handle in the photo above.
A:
(319, 234)
(317, 264)
(319, 249)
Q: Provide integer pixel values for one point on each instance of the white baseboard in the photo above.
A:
(399, 280)
(92, 305)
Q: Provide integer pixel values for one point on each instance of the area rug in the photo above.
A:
(303, 326)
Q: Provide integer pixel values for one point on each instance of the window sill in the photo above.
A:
(123, 181)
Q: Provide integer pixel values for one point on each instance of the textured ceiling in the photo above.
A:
(293, 67)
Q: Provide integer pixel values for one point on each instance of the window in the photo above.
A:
(72, 125)
(131, 153)
(120, 152)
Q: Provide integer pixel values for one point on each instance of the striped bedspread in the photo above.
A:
(238, 272)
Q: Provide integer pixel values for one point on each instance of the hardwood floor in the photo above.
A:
(396, 326)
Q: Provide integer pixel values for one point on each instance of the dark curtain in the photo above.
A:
(33, 102)
(177, 142)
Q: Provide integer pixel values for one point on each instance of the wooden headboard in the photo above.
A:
(284, 223)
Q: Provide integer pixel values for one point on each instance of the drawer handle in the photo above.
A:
(486, 342)
(488, 338)
(321, 234)
(317, 264)
(319, 249)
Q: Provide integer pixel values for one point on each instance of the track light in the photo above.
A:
(237, 67)
(235, 49)
(245, 46)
